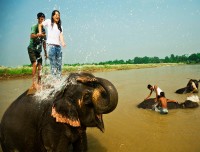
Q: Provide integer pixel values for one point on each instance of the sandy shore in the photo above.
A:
(7, 73)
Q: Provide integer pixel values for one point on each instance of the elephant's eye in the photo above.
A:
(87, 98)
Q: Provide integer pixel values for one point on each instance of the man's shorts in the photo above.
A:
(161, 110)
(34, 56)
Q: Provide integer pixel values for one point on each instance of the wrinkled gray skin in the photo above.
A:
(28, 126)
(147, 104)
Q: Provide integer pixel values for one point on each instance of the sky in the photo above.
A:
(103, 30)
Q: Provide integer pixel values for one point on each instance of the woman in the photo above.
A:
(54, 40)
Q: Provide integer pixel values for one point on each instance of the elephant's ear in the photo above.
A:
(65, 112)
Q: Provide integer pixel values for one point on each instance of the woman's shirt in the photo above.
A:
(53, 33)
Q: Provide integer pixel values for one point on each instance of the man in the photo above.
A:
(34, 50)
(155, 89)
(163, 104)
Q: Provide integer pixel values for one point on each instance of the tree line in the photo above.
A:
(188, 59)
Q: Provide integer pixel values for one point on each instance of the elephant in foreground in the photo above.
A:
(148, 104)
(189, 87)
(58, 123)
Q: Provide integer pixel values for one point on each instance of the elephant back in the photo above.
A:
(146, 104)
(173, 105)
(189, 104)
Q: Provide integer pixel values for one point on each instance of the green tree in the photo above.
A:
(194, 58)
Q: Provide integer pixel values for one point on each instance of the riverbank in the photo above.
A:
(26, 71)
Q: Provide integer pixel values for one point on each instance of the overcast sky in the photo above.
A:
(102, 30)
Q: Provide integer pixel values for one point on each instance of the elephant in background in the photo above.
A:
(189, 87)
(148, 104)
(59, 122)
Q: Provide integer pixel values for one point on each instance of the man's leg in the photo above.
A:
(39, 67)
(32, 57)
(39, 73)
(34, 68)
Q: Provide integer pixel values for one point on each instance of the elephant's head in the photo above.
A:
(83, 100)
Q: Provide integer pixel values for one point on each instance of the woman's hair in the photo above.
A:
(59, 22)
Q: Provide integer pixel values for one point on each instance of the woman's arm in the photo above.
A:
(40, 28)
(62, 40)
(45, 50)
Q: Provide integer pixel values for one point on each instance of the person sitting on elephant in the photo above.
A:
(193, 86)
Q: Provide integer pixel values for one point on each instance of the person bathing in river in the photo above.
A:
(162, 104)
(158, 92)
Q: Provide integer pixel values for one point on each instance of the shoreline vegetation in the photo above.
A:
(7, 73)
(25, 71)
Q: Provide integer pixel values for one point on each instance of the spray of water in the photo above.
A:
(50, 84)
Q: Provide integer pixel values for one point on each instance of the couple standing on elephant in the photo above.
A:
(54, 41)
(160, 100)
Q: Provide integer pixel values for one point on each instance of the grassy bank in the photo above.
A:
(25, 71)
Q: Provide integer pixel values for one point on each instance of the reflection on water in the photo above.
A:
(129, 128)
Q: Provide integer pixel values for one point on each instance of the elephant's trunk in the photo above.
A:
(105, 97)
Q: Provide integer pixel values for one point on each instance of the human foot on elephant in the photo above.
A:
(53, 124)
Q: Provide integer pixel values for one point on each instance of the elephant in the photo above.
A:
(147, 104)
(59, 122)
(189, 88)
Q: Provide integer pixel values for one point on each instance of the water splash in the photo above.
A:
(49, 86)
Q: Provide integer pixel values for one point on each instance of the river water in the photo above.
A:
(128, 128)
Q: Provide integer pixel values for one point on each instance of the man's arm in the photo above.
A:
(148, 95)
(34, 36)
(194, 87)
(34, 33)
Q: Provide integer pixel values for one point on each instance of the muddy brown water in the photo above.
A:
(128, 128)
